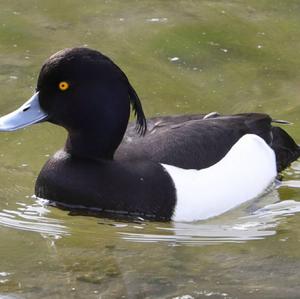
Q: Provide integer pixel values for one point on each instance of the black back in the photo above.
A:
(192, 142)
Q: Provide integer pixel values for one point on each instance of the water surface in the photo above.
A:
(182, 57)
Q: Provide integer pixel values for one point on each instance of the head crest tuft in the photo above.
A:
(141, 122)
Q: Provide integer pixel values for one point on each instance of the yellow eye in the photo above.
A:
(63, 85)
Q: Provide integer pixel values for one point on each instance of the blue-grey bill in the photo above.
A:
(29, 113)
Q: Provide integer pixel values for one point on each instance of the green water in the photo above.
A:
(182, 57)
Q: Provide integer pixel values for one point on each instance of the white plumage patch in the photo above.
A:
(243, 174)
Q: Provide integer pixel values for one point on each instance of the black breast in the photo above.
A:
(140, 188)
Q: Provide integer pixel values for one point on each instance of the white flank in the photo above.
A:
(243, 174)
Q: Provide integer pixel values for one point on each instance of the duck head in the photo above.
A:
(86, 93)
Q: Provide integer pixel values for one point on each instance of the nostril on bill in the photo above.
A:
(26, 108)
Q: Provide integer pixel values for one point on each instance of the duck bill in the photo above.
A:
(28, 114)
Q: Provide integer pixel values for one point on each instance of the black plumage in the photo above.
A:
(196, 142)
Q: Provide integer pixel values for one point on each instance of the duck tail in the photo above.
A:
(286, 149)
(281, 121)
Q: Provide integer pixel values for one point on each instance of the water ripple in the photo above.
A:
(258, 225)
(32, 218)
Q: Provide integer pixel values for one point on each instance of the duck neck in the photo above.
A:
(96, 132)
(94, 145)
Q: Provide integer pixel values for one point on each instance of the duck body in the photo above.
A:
(183, 168)
(157, 191)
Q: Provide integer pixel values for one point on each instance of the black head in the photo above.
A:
(96, 86)
(85, 92)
